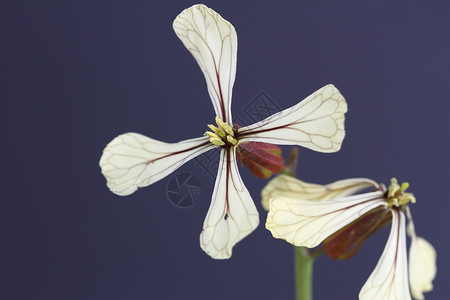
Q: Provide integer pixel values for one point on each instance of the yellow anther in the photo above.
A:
(404, 186)
(227, 128)
(406, 198)
(214, 129)
(232, 140)
(216, 141)
(212, 135)
(221, 135)
(393, 188)
(397, 196)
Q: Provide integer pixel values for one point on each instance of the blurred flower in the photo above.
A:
(336, 216)
(422, 263)
(131, 160)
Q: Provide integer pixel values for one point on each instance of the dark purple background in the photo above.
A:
(74, 74)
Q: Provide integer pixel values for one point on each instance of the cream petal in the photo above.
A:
(132, 160)
(389, 279)
(213, 43)
(232, 214)
(307, 223)
(422, 262)
(316, 123)
(422, 267)
(290, 187)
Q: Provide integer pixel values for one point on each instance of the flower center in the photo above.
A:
(223, 135)
(396, 195)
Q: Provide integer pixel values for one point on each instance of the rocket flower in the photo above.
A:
(306, 214)
(131, 160)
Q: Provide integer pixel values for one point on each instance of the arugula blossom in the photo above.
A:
(131, 160)
(306, 214)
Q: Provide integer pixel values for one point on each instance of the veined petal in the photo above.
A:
(132, 160)
(316, 123)
(307, 223)
(232, 214)
(213, 43)
(290, 187)
(389, 280)
(422, 267)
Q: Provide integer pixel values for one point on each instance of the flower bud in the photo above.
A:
(260, 158)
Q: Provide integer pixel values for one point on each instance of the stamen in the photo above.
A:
(232, 140)
(211, 135)
(393, 188)
(396, 194)
(223, 135)
(214, 129)
(406, 198)
(404, 186)
(217, 142)
(227, 128)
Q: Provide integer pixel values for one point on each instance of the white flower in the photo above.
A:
(132, 160)
(303, 222)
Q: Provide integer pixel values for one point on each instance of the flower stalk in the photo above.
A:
(303, 273)
(303, 258)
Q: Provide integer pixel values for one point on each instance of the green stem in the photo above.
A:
(291, 166)
(303, 273)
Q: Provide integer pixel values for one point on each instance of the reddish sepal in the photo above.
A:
(346, 242)
(261, 159)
